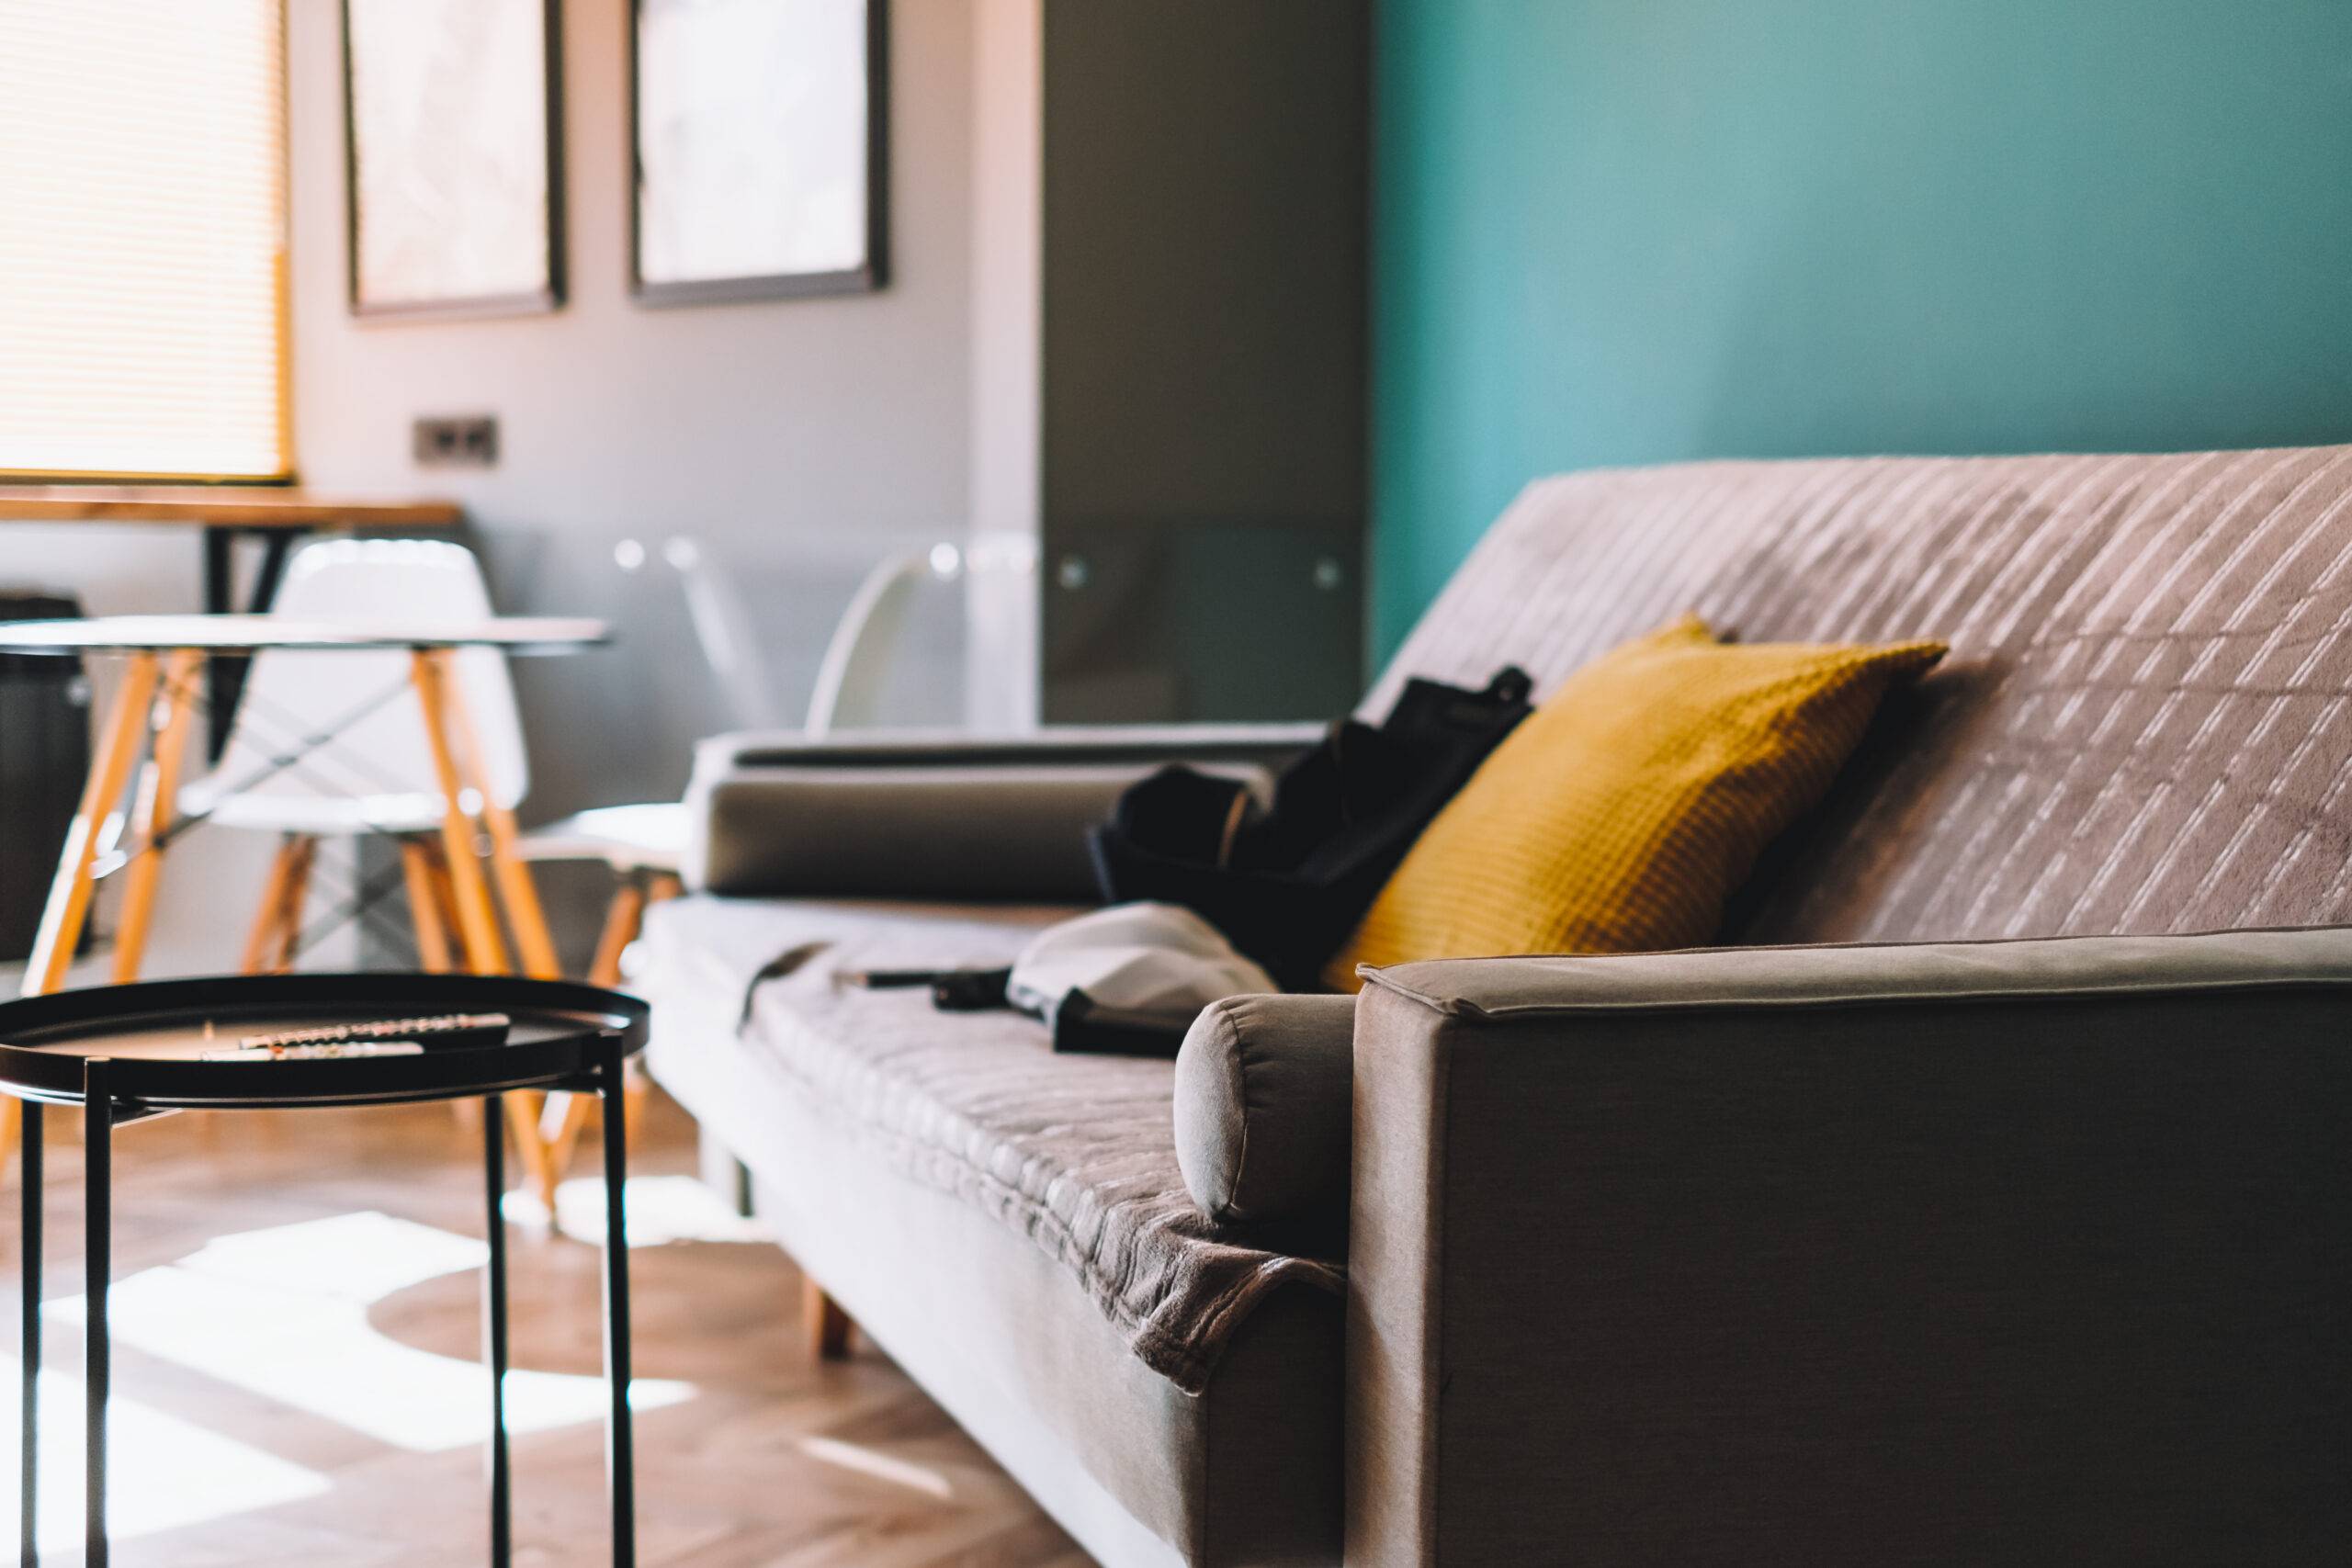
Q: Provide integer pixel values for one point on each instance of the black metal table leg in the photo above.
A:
(277, 544)
(220, 598)
(225, 673)
(620, 1442)
(28, 1548)
(219, 569)
(98, 1248)
(493, 1323)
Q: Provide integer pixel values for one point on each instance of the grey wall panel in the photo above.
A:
(1204, 281)
(1204, 324)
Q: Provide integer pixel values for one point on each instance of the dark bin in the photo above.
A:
(44, 755)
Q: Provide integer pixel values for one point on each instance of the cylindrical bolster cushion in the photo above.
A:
(920, 831)
(1264, 1086)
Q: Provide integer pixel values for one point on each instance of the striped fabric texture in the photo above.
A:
(2143, 723)
(1623, 814)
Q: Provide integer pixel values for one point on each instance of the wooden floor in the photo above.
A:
(296, 1379)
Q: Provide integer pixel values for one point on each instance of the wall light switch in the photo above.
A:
(462, 441)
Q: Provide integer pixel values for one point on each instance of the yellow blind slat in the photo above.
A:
(143, 238)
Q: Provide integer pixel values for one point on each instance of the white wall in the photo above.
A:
(801, 440)
(1000, 675)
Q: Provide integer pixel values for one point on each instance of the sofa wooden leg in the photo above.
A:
(824, 1321)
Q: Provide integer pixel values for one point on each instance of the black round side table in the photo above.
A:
(126, 1053)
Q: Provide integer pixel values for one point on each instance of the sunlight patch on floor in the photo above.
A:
(166, 1472)
(283, 1313)
(880, 1466)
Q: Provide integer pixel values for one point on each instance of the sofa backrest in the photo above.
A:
(2143, 723)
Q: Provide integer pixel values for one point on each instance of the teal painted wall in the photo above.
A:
(1642, 231)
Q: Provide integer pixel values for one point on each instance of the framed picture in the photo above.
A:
(757, 148)
(452, 139)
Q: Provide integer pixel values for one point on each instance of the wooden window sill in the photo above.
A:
(257, 506)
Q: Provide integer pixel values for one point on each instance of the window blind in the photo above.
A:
(142, 239)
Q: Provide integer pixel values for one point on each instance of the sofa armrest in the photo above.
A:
(923, 815)
(2027, 1250)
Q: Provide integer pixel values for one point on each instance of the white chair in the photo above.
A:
(334, 745)
(373, 772)
(644, 844)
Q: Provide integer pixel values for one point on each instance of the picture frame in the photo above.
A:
(453, 106)
(758, 149)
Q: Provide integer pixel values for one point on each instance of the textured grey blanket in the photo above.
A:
(1077, 1153)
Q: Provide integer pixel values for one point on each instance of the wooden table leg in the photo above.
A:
(69, 895)
(517, 891)
(157, 809)
(477, 920)
(525, 917)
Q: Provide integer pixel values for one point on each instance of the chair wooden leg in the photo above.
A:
(624, 917)
(293, 894)
(418, 875)
(69, 894)
(568, 1115)
(262, 940)
(444, 896)
(636, 1090)
(157, 809)
(560, 1124)
(438, 899)
(523, 1113)
(827, 1326)
(635, 1087)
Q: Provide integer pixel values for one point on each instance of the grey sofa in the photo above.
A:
(1964, 1207)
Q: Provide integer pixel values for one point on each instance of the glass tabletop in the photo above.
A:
(247, 634)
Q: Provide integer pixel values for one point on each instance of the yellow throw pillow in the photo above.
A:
(1623, 814)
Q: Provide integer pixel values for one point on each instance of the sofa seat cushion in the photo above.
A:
(1076, 1153)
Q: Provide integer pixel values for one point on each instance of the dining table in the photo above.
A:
(275, 518)
(133, 782)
